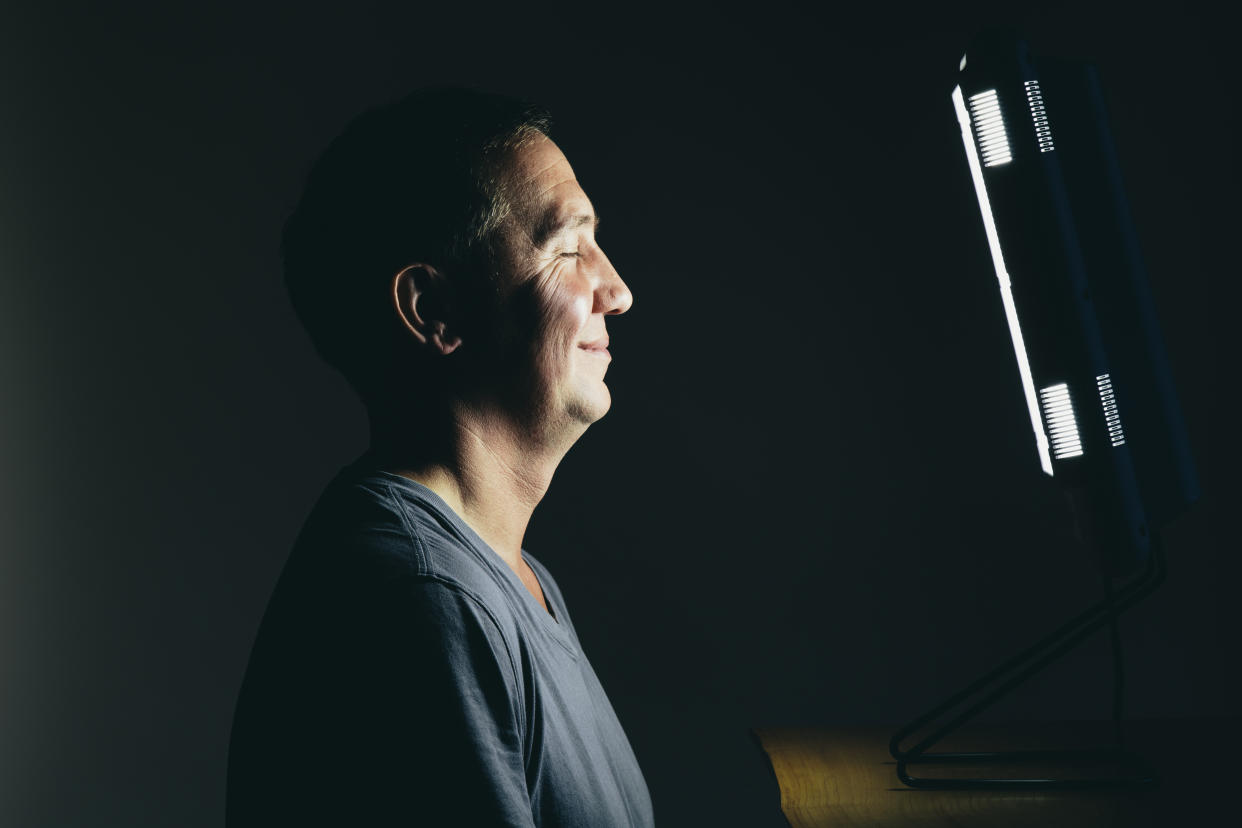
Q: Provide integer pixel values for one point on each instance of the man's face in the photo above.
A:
(557, 287)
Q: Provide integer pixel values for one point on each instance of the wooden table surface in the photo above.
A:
(844, 776)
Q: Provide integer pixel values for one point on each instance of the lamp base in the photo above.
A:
(1106, 767)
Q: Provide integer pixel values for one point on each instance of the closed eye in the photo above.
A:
(571, 253)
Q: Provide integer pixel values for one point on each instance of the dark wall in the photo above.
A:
(816, 499)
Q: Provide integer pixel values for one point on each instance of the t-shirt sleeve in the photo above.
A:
(453, 733)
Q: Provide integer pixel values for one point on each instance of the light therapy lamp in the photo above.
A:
(1106, 421)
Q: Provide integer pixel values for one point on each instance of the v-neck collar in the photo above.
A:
(489, 557)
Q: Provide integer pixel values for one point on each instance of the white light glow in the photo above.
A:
(1062, 426)
(1002, 276)
(989, 126)
(1039, 116)
(1109, 402)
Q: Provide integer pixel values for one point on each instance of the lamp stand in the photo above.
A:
(1132, 771)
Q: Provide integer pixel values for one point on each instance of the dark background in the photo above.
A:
(816, 499)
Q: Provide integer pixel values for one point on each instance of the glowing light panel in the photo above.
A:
(1002, 276)
(989, 123)
(1039, 116)
(1062, 425)
(1109, 402)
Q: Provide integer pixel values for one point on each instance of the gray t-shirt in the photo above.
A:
(404, 675)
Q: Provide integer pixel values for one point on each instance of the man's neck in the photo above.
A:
(489, 474)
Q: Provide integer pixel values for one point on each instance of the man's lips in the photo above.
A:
(599, 346)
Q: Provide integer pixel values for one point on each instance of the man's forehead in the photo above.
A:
(554, 199)
(548, 180)
(540, 163)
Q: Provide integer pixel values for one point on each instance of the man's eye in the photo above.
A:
(574, 253)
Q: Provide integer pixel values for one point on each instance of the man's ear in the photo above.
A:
(424, 302)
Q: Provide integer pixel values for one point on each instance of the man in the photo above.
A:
(415, 665)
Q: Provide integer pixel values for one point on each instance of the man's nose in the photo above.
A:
(612, 296)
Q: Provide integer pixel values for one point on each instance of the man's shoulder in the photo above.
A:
(383, 528)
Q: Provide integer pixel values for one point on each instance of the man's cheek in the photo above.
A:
(571, 305)
(565, 312)
(581, 309)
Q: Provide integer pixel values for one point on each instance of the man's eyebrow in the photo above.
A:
(551, 224)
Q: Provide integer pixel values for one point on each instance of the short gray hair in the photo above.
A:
(418, 180)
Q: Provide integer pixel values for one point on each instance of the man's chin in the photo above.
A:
(589, 409)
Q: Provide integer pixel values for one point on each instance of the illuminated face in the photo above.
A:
(557, 287)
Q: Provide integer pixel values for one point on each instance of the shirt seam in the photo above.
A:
(517, 680)
(571, 646)
(420, 565)
(422, 571)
